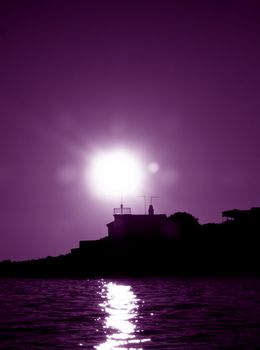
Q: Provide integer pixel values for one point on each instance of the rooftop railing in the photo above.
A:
(122, 211)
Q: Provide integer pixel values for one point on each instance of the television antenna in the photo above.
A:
(151, 199)
(145, 201)
(144, 197)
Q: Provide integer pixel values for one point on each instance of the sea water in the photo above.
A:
(148, 313)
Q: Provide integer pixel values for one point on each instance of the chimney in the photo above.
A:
(150, 210)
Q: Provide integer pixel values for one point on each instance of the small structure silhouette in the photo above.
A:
(151, 210)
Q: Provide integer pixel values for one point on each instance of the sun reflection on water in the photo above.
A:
(121, 307)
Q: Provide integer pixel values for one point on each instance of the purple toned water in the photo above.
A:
(174, 313)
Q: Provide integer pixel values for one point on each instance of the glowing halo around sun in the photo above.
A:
(115, 173)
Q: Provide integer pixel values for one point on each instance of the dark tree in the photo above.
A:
(186, 224)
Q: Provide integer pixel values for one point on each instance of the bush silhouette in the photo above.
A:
(187, 225)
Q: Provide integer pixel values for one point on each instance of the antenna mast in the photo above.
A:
(151, 199)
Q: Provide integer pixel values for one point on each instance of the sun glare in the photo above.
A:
(114, 174)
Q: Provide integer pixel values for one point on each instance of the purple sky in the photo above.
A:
(176, 81)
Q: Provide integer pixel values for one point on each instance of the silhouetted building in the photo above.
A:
(127, 225)
(245, 216)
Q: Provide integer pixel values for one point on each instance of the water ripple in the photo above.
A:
(170, 313)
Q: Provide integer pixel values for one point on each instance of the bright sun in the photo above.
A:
(115, 173)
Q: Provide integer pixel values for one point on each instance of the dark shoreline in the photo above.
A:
(227, 249)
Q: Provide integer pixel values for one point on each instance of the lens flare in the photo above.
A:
(153, 167)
